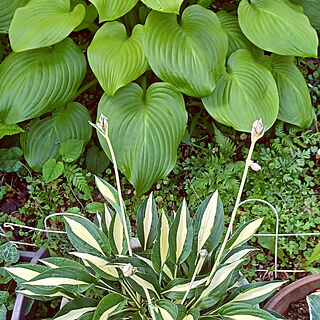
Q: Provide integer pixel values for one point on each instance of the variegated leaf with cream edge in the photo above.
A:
(255, 293)
(160, 249)
(242, 311)
(245, 92)
(87, 237)
(180, 235)
(238, 253)
(53, 18)
(116, 235)
(166, 6)
(57, 262)
(111, 10)
(263, 22)
(190, 55)
(77, 308)
(25, 272)
(108, 306)
(115, 58)
(294, 97)
(37, 294)
(142, 121)
(166, 309)
(208, 223)
(244, 233)
(147, 222)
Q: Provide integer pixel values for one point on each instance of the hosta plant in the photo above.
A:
(185, 268)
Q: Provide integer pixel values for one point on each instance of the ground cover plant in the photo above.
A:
(150, 42)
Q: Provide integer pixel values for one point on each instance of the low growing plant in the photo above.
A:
(185, 269)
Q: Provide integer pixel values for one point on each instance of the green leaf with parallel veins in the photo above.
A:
(143, 123)
(245, 93)
(9, 129)
(41, 24)
(167, 6)
(71, 149)
(41, 142)
(52, 170)
(7, 9)
(111, 10)
(311, 9)
(115, 58)
(38, 81)
(190, 55)
(236, 39)
(294, 96)
(276, 26)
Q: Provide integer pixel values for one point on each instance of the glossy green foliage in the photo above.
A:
(7, 9)
(115, 58)
(141, 130)
(278, 26)
(166, 6)
(40, 80)
(111, 10)
(41, 142)
(311, 9)
(190, 55)
(294, 97)
(245, 92)
(53, 18)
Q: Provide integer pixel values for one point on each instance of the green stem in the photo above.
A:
(85, 88)
(131, 294)
(92, 27)
(124, 223)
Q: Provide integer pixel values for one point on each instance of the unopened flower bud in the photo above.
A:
(258, 130)
(203, 253)
(102, 126)
(128, 270)
(255, 167)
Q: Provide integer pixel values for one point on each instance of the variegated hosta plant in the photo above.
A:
(185, 268)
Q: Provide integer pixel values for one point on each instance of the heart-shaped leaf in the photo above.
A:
(167, 6)
(96, 160)
(111, 10)
(7, 9)
(43, 23)
(311, 9)
(41, 142)
(236, 39)
(245, 93)
(71, 150)
(145, 129)
(115, 58)
(37, 81)
(294, 96)
(190, 55)
(52, 170)
(275, 26)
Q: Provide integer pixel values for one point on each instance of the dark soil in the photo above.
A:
(299, 311)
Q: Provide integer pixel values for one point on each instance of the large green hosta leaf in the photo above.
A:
(145, 129)
(43, 23)
(116, 59)
(43, 138)
(295, 101)
(167, 6)
(311, 9)
(275, 26)
(189, 55)
(113, 9)
(7, 9)
(236, 39)
(244, 93)
(35, 82)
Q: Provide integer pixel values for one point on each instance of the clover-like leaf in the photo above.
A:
(167, 6)
(43, 23)
(35, 82)
(274, 25)
(190, 55)
(115, 58)
(7, 9)
(245, 93)
(111, 10)
(42, 139)
(295, 101)
(142, 133)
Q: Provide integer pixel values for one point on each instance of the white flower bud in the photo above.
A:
(258, 130)
(128, 270)
(255, 167)
(102, 126)
(203, 253)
